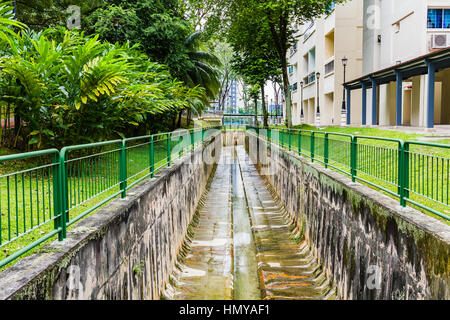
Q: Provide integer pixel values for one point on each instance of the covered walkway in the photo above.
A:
(430, 64)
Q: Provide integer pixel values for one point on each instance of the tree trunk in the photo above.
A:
(189, 114)
(279, 35)
(264, 109)
(174, 121)
(287, 92)
(256, 111)
(179, 119)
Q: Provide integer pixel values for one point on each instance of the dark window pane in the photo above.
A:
(446, 19)
(435, 18)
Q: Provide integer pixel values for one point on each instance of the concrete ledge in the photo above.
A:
(369, 245)
(125, 250)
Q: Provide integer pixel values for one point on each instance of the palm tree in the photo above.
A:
(202, 72)
(8, 25)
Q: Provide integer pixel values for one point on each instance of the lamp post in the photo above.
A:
(301, 98)
(318, 92)
(344, 63)
(116, 27)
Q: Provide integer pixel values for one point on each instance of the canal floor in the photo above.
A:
(241, 246)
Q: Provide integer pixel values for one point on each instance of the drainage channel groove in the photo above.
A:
(242, 245)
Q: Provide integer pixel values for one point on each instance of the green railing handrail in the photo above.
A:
(399, 158)
(72, 182)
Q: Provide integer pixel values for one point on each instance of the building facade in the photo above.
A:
(231, 104)
(397, 72)
(316, 71)
(396, 32)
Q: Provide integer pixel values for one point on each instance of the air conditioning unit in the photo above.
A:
(438, 41)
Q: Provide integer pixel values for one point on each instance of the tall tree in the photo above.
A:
(256, 60)
(41, 14)
(159, 26)
(257, 68)
(280, 19)
(224, 53)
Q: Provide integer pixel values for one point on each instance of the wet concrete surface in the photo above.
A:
(246, 281)
(206, 271)
(241, 245)
(287, 269)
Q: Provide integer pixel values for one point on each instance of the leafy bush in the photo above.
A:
(70, 88)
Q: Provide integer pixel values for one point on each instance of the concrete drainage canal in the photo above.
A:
(242, 245)
(239, 218)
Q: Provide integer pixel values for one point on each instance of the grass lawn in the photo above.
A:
(378, 161)
(26, 188)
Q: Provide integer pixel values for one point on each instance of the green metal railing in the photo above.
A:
(55, 189)
(417, 173)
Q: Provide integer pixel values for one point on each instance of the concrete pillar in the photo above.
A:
(430, 105)
(399, 98)
(374, 102)
(349, 96)
(364, 103)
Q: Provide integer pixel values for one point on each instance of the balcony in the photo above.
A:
(309, 31)
(309, 79)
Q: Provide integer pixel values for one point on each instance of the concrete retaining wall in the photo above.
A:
(371, 247)
(127, 249)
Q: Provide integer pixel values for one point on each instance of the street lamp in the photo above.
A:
(301, 111)
(318, 88)
(344, 63)
(116, 27)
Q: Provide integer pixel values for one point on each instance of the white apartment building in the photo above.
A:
(405, 62)
(321, 46)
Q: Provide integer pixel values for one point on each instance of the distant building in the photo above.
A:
(231, 102)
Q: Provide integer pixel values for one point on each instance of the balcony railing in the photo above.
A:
(310, 78)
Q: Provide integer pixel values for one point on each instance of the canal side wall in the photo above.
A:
(368, 245)
(127, 249)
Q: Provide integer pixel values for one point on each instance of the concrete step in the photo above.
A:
(287, 269)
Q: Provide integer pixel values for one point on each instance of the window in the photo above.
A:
(438, 19)
(291, 69)
(329, 67)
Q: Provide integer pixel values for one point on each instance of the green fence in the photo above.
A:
(54, 189)
(417, 173)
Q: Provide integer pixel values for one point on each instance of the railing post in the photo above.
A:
(152, 157)
(193, 140)
(313, 141)
(326, 151)
(169, 151)
(403, 172)
(354, 157)
(57, 193)
(64, 196)
(300, 143)
(180, 153)
(123, 169)
(290, 140)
